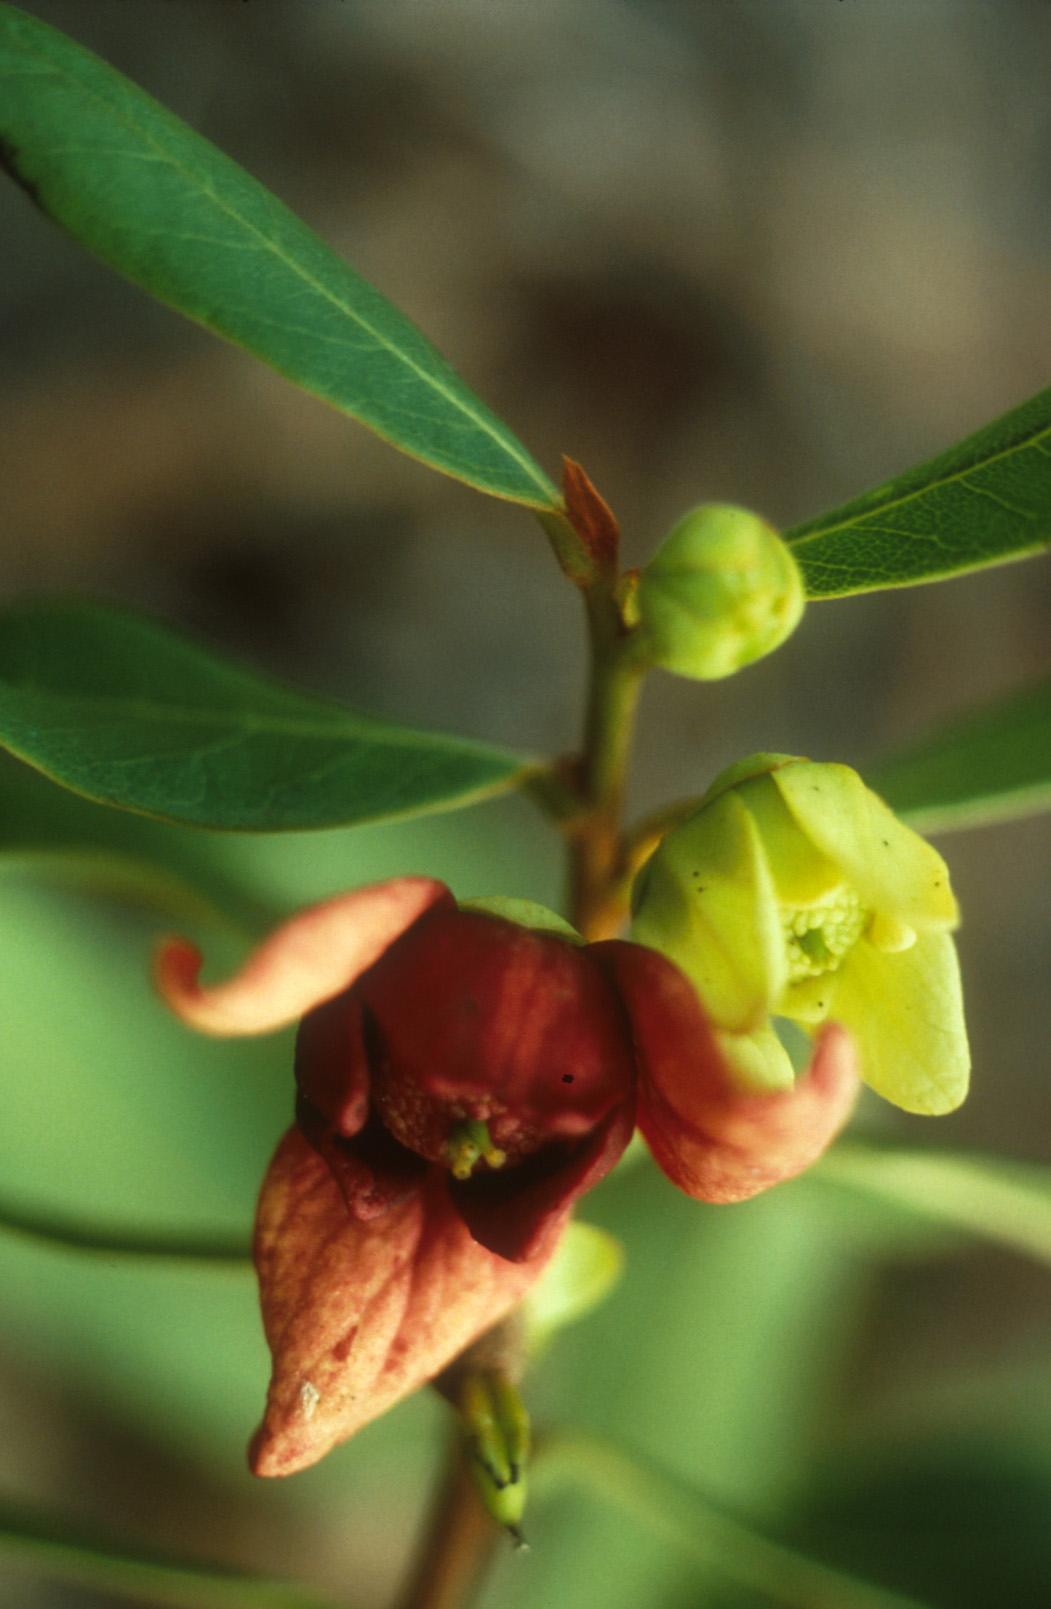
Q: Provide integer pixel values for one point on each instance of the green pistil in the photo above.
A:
(468, 1144)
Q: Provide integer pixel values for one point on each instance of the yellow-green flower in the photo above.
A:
(794, 892)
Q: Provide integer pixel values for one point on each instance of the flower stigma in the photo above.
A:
(817, 938)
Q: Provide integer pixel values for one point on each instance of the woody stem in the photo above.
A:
(458, 1547)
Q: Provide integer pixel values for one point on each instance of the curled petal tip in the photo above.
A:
(312, 957)
(714, 1140)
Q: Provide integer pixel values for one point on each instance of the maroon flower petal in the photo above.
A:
(513, 1210)
(470, 1007)
(357, 1315)
(714, 1140)
(331, 1065)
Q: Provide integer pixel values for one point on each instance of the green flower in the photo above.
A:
(794, 892)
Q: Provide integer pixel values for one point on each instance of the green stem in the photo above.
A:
(49, 1551)
(670, 1509)
(596, 841)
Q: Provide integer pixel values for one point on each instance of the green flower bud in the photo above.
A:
(495, 1427)
(794, 892)
(721, 590)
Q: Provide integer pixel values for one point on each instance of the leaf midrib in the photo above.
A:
(189, 175)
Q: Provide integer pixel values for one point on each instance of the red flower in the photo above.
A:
(462, 1080)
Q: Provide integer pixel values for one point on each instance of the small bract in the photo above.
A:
(795, 892)
(721, 591)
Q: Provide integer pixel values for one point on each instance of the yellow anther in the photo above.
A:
(468, 1144)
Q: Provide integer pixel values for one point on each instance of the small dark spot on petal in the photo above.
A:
(567, 1078)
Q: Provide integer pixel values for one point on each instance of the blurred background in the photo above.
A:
(769, 252)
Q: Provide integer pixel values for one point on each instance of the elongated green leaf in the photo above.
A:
(1008, 1202)
(985, 767)
(981, 502)
(125, 712)
(175, 215)
(45, 1546)
(687, 1521)
(71, 1234)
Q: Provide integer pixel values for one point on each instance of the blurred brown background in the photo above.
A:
(765, 251)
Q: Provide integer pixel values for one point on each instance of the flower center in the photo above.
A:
(818, 937)
(468, 1144)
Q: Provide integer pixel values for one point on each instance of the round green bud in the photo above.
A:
(721, 590)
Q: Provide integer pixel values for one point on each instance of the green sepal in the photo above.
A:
(526, 912)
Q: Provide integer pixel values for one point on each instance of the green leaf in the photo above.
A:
(687, 1521)
(986, 500)
(986, 767)
(70, 1233)
(164, 207)
(55, 1552)
(1007, 1202)
(125, 712)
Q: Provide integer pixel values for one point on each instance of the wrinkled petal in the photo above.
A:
(511, 1211)
(891, 867)
(357, 1315)
(316, 954)
(905, 1014)
(707, 900)
(713, 1140)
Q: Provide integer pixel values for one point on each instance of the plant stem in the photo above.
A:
(588, 798)
(596, 841)
(458, 1547)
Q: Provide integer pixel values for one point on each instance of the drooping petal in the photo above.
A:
(707, 901)
(715, 1141)
(905, 1014)
(891, 867)
(358, 1315)
(511, 1211)
(316, 954)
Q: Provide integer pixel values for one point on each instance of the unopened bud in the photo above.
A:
(722, 590)
(496, 1431)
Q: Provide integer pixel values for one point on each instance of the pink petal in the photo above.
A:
(715, 1141)
(358, 1315)
(315, 955)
